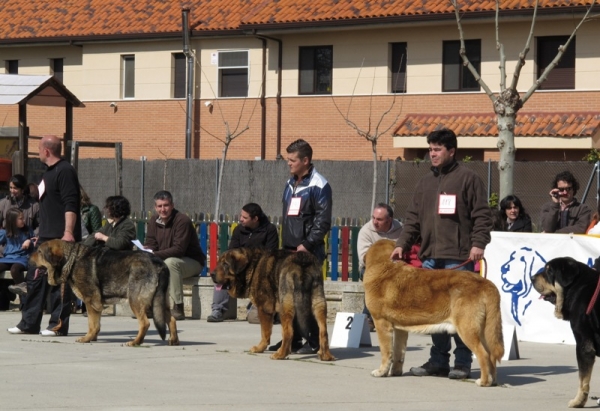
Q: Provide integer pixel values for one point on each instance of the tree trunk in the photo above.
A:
(506, 107)
(220, 182)
(374, 146)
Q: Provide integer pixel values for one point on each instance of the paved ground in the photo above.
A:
(212, 370)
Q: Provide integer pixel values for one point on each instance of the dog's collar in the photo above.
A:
(594, 298)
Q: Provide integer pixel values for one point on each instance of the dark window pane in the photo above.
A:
(233, 82)
(563, 75)
(315, 70)
(12, 66)
(128, 77)
(179, 79)
(233, 59)
(57, 69)
(398, 68)
(457, 77)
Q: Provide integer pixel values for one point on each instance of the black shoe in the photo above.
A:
(296, 345)
(459, 373)
(428, 369)
(307, 349)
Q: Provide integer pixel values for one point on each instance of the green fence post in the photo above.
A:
(223, 236)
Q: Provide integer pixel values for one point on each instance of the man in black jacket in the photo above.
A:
(59, 218)
(307, 203)
(254, 230)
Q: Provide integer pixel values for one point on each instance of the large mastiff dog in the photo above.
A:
(100, 275)
(281, 281)
(570, 286)
(403, 298)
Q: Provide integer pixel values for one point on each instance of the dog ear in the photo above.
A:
(563, 271)
(238, 260)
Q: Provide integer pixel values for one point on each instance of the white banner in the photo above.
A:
(513, 258)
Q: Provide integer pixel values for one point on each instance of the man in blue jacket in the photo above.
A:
(307, 202)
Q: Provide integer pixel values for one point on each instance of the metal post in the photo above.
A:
(143, 183)
(387, 183)
(489, 180)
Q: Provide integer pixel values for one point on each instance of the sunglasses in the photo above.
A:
(565, 189)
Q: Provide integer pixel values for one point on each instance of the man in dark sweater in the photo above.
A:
(59, 199)
(172, 237)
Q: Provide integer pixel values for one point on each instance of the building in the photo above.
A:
(278, 71)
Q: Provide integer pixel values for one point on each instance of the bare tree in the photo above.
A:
(508, 101)
(374, 129)
(230, 135)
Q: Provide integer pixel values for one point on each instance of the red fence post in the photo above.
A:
(345, 252)
(214, 245)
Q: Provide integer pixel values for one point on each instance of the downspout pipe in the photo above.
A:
(190, 83)
(279, 82)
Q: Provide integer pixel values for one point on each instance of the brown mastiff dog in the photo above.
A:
(403, 298)
(281, 281)
(100, 275)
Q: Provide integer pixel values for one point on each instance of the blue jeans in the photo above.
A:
(440, 350)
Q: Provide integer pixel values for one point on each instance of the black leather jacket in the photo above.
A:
(313, 222)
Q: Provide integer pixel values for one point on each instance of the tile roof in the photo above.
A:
(22, 20)
(569, 125)
(284, 11)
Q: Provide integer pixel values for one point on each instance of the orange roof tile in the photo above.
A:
(23, 20)
(570, 125)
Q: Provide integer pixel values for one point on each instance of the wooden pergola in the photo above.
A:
(39, 91)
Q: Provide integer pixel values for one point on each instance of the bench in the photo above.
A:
(5, 275)
(202, 297)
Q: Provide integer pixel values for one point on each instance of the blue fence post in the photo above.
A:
(334, 242)
(203, 237)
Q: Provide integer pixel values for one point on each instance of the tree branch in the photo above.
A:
(561, 51)
(464, 57)
(523, 54)
(500, 48)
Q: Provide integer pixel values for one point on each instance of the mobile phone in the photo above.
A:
(555, 195)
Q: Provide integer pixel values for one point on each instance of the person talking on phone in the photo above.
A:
(564, 213)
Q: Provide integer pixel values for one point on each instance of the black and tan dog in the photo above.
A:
(570, 286)
(288, 282)
(100, 275)
(402, 298)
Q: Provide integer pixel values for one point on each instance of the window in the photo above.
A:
(56, 66)
(12, 66)
(457, 77)
(563, 75)
(398, 68)
(316, 66)
(233, 74)
(179, 83)
(128, 79)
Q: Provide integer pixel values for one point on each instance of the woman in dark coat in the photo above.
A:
(512, 216)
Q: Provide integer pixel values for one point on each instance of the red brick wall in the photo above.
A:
(156, 129)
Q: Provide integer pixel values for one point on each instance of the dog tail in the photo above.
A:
(160, 302)
(493, 329)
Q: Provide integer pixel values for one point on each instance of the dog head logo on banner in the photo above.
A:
(516, 275)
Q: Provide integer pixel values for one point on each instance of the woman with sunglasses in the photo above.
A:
(564, 214)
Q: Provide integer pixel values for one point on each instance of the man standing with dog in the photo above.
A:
(307, 203)
(59, 199)
(172, 237)
(450, 212)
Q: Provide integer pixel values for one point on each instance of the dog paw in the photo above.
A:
(174, 342)
(379, 373)
(326, 357)
(576, 403)
(257, 349)
(83, 340)
(278, 356)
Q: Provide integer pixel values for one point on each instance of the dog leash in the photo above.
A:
(484, 267)
(594, 298)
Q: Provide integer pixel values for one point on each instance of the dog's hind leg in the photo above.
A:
(586, 355)
(470, 335)
(319, 309)
(173, 337)
(139, 310)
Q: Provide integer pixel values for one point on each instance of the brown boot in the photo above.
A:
(177, 312)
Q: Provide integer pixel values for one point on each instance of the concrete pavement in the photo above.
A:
(212, 370)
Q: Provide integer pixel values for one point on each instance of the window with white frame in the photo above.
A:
(233, 73)
(128, 76)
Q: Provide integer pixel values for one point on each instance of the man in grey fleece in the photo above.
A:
(450, 211)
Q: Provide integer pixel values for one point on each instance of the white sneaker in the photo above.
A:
(15, 330)
(48, 333)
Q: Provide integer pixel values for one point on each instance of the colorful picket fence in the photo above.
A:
(341, 264)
